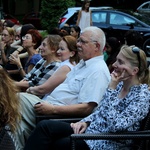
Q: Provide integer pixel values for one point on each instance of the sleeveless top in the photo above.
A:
(84, 20)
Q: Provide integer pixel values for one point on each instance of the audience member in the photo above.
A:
(84, 16)
(31, 41)
(125, 104)
(81, 91)
(75, 31)
(65, 30)
(9, 106)
(8, 23)
(17, 29)
(6, 50)
(22, 52)
(1, 30)
(133, 37)
(68, 55)
(112, 49)
(45, 67)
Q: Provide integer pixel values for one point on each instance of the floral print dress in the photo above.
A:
(115, 115)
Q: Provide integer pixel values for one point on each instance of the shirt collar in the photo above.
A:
(92, 60)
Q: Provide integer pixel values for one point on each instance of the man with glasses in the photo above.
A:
(82, 90)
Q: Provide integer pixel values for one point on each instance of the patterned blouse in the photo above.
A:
(39, 74)
(115, 115)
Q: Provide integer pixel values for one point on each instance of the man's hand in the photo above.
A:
(44, 108)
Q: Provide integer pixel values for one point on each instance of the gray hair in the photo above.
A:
(97, 35)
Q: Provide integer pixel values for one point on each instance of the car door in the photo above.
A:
(99, 19)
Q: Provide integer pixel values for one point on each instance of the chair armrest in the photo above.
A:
(124, 135)
(111, 136)
(57, 117)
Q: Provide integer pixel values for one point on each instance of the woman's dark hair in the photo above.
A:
(36, 37)
(24, 29)
(133, 37)
(77, 29)
(84, 3)
(115, 45)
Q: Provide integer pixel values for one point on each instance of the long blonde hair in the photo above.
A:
(9, 102)
(144, 73)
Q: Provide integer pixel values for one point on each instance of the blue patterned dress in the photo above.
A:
(115, 115)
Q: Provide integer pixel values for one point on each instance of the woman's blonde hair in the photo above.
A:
(9, 102)
(71, 44)
(143, 73)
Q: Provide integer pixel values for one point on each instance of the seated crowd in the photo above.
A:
(72, 74)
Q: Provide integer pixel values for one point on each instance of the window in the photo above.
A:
(119, 19)
(99, 17)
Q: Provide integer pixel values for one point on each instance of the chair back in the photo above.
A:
(6, 142)
(143, 144)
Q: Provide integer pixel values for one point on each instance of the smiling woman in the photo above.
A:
(68, 54)
(31, 41)
(46, 66)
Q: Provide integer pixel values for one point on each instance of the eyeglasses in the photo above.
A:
(136, 50)
(4, 35)
(79, 40)
(26, 38)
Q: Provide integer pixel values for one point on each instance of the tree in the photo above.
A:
(51, 11)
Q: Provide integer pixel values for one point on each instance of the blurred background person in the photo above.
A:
(8, 36)
(84, 16)
(133, 37)
(31, 41)
(112, 49)
(75, 31)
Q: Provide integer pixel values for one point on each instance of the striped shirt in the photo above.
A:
(39, 74)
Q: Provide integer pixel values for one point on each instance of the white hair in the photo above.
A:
(98, 35)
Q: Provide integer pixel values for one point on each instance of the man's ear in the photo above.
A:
(97, 46)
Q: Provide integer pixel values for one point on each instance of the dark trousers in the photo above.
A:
(53, 135)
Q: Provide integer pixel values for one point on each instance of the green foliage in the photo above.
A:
(44, 33)
(51, 11)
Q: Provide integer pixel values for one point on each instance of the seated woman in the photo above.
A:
(68, 54)
(9, 107)
(112, 49)
(46, 66)
(31, 41)
(19, 49)
(6, 49)
(125, 103)
(75, 31)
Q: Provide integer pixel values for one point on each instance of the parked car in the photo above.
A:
(70, 15)
(11, 18)
(144, 8)
(116, 23)
(33, 18)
